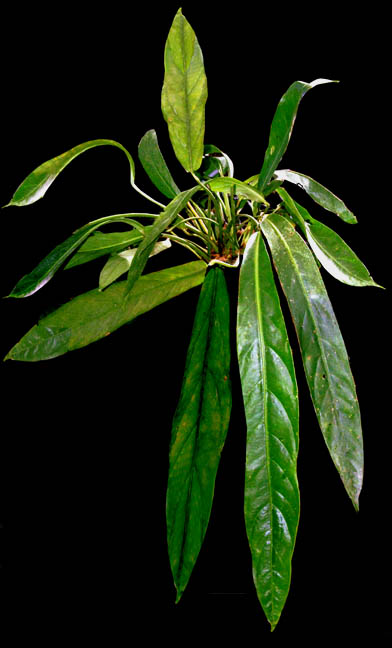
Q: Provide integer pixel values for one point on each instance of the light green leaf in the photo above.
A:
(226, 185)
(282, 126)
(155, 166)
(320, 194)
(199, 428)
(271, 407)
(323, 351)
(120, 263)
(93, 315)
(38, 182)
(161, 223)
(184, 93)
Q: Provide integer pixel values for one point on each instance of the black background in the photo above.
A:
(86, 436)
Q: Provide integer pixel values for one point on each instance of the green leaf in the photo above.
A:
(320, 194)
(271, 407)
(214, 162)
(93, 315)
(323, 351)
(155, 166)
(226, 185)
(292, 208)
(333, 253)
(45, 270)
(120, 263)
(184, 93)
(199, 428)
(102, 243)
(162, 222)
(282, 126)
(38, 182)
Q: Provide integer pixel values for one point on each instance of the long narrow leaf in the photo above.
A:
(162, 222)
(271, 407)
(199, 429)
(282, 126)
(155, 166)
(119, 264)
(226, 185)
(45, 270)
(323, 351)
(103, 243)
(93, 315)
(184, 93)
(320, 194)
(38, 181)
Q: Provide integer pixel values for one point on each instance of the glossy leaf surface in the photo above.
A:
(199, 428)
(102, 243)
(320, 194)
(184, 93)
(323, 351)
(38, 182)
(120, 263)
(214, 162)
(282, 126)
(226, 185)
(45, 270)
(93, 315)
(271, 407)
(155, 166)
(161, 223)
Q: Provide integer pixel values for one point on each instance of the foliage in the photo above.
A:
(230, 225)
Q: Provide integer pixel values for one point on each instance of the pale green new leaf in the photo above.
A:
(119, 264)
(271, 407)
(184, 93)
(323, 351)
(199, 428)
(227, 185)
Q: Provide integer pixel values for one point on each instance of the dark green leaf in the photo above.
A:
(93, 315)
(155, 166)
(38, 182)
(226, 185)
(184, 93)
(45, 270)
(292, 208)
(320, 194)
(271, 407)
(120, 263)
(102, 243)
(214, 162)
(282, 126)
(162, 222)
(199, 428)
(323, 351)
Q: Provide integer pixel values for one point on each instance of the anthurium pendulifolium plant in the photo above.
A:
(229, 225)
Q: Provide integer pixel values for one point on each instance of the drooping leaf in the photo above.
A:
(199, 429)
(271, 407)
(184, 93)
(323, 351)
(46, 269)
(320, 194)
(155, 166)
(282, 126)
(161, 223)
(226, 185)
(102, 243)
(333, 253)
(93, 315)
(38, 181)
(214, 162)
(120, 263)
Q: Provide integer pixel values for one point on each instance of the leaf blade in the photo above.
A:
(120, 263)
(271, 408)
(323, 351)
(226, 185)
(36, 184)
(93, 315)
(282, 126)
(320, 194)
(199, 429)
(155, 166)
(184, 93)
